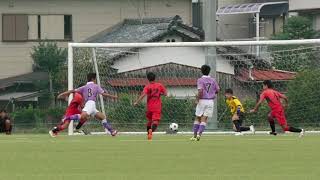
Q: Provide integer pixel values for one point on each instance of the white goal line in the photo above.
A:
(193, 44)
(190, 133)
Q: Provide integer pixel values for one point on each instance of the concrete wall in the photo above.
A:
(303, 4)
(238, 26)
(233, 26)
(88, 18)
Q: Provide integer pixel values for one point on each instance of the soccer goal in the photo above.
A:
(292, 65)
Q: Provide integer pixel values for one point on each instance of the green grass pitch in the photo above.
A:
(40, 157)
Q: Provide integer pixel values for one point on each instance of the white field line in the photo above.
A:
(190, 133)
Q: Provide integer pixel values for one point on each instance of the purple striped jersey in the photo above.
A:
(209, 87)
(90, 91)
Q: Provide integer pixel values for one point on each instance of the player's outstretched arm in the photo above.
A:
(139, 99)
(107, 95)
(256, 107)
(65, 94)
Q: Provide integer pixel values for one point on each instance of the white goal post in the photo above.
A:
(94, 46)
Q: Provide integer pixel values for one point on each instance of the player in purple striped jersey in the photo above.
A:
(89, 92)
(208, 88)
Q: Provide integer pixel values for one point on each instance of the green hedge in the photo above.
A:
(31, 117)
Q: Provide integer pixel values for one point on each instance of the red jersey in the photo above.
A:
(75, 106)
(273, 98)
(154, 91)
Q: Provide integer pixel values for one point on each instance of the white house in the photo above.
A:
(176, 67)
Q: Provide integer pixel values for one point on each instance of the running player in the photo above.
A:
(153, 91)
(273, 98)
(73, 111)
(90, 91)
(207, 90)
(237, 112)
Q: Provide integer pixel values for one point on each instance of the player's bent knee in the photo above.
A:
(204, 119)
(285, 127)
(8, 122)
(100, 116)
(155, 122)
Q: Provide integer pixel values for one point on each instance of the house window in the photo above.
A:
(14, 27)
(36, 27)
(67, 27)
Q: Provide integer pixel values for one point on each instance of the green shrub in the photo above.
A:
(303, 97)
(35, 118)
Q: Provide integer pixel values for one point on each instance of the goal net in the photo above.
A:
(293, 66)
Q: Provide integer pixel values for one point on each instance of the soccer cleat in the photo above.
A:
(252, 129)
(114, 133)
(302, 133)
(198, 137)
(193, 139)
(238, 134)
(52, 134)
(273, 133)
(150, 134)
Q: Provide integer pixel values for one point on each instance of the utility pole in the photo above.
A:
(210, 29)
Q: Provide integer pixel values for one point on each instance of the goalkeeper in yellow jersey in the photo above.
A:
(238, 113)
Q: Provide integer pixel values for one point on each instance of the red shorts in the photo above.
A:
(280, 116)
(153, 115)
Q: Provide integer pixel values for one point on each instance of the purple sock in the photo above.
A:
(195, 129)
(201, 128)
(107, 125)
(74, 117)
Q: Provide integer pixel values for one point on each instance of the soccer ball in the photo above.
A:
(173, 127)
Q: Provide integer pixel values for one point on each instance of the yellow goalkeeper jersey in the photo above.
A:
(233, 104)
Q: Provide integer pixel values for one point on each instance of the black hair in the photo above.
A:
(151, 76)
(268, 83)
(229, 91)
(91, 76)
(205, 69)
(3, 110)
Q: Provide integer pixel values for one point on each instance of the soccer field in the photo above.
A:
(40, 157)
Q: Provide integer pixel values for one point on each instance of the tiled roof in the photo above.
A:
(137, 77)
(153, 30)
(261, 75)
(24, 78)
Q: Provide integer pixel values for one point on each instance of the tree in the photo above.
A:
(48, 57)
(295, 57)
(296, 27)
(303, 97)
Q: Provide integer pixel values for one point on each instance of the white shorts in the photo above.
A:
(204, 108)
(90, 108)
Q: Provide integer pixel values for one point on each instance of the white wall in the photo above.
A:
(181, 92)
(88, 18)
(191, 56)
(316, 21)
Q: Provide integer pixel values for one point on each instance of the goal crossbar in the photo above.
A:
(195, 44)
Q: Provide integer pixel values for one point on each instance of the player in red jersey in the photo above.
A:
(74, 109)
(273, 98)
(153, 91)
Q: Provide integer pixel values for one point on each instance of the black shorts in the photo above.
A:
(242, 117)
(2, 126)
